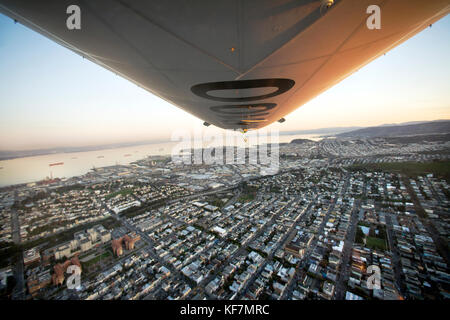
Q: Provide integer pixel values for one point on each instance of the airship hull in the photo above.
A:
(234, 64)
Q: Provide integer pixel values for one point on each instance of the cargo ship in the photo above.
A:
(56, 164)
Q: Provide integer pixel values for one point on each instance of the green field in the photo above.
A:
(97, 259)
(411, 169)
(123, 192)
(246, 198)
(215, 201)
(376, 243)
(54, 239)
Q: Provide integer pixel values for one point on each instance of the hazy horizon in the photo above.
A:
(282, 132)
(53, 98)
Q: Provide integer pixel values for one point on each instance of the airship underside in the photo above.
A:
(235, 64)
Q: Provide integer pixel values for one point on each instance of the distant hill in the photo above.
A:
(300, 141)
(423, 128)
(322, 131)
(419, 138)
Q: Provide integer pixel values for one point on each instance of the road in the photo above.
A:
(288, 235)
(343, 275)
(288, 291)
(395, 254)
(19, 290)
(240, 251)
(153, 254)
(290, 286)
(441, 244)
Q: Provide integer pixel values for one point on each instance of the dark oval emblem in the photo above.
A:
(282, 86)
(244, 109)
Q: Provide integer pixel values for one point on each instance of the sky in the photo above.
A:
(52, 97)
